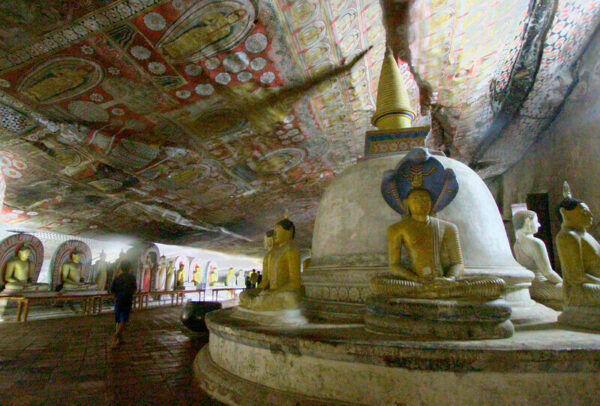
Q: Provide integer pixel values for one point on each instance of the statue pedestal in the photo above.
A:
(423, 319)
(280, 318)
(338, 364)
(587, 317)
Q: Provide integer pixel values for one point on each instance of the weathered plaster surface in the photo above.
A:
(540, 365)
(568, 150)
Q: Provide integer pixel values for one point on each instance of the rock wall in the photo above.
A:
(568, 150)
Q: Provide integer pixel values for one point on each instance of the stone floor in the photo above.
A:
(68, 361)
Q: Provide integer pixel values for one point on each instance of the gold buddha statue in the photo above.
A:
(280, 286)
(579, 253)
(434, 266)
(18, 272)
(197, 276)
(426, 296)
(180, 280)
(71, 274)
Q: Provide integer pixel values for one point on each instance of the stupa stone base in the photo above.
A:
(336, 364)
(587, 317)
(423, 319)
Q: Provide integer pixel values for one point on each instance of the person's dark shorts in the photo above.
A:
(122, 313)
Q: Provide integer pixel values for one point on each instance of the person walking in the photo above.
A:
(123, 287)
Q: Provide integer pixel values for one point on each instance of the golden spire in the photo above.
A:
(393, 110)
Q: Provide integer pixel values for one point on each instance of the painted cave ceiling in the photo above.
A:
(201, 122)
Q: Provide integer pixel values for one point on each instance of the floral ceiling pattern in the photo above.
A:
(196, 123)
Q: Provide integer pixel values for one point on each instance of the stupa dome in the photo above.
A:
(349, 240)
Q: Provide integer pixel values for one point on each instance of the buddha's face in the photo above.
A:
(268, 242)
(281, 235)
(580, 216)
(418, 202)
(24, 254)
(531, 225)
(76, 257)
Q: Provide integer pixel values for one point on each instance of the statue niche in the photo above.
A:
(21, 257)
(426, 295)
(70, 267)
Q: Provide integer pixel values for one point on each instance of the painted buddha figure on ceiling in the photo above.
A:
(433, 269)
(18, 272)
(531, 253)
(71, 274)
(579, 255)
(280, 286)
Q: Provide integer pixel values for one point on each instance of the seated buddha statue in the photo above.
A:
(435, 265)
(531, 252)
(18, 273)
(280, 285)
(71, 274)
(426, 293)
(579, 255)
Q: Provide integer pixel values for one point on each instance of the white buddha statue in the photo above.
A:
(101, 272)
(531, 252)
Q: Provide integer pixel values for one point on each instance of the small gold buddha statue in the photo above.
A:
(18, 272)
(197, 276)
(280, 286)
(71, 274)
(435, 266)
(579, 255)
(180, 279)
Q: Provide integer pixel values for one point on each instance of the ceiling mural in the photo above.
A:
(202, 122)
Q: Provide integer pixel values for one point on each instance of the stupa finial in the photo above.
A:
(393, 110)
(566, 190)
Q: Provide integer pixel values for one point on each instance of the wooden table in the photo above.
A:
(25, 300)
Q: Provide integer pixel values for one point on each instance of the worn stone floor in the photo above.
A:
(68, 361)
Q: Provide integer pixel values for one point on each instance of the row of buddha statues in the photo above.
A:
(19, 273)
(425, 292)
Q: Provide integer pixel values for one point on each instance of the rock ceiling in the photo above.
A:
(202, 122)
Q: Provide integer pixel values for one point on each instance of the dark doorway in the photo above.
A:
(538, 202)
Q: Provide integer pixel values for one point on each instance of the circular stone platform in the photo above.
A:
(338, 364)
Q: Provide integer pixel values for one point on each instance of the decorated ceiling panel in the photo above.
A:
(202, 122)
